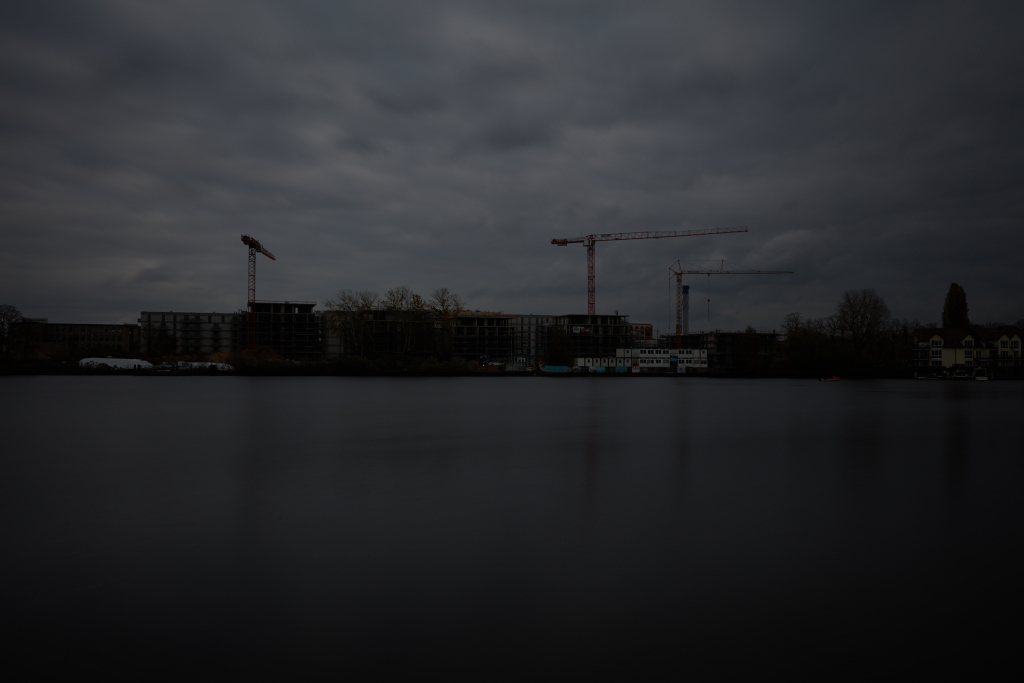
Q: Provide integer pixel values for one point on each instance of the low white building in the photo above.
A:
(649, 360)
(116, 363)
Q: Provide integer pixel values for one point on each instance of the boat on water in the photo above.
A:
(828, 379)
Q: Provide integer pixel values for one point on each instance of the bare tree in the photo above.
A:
(347, 317)
(862, 317)
(9, 317)
(446, 303)
(446, 306)
(410, 313)
(400, 298)
(792, 322)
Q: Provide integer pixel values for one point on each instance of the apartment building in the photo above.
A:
(967, 348)
(188, 331)
(39, 337)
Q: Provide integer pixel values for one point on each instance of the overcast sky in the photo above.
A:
(445, 144)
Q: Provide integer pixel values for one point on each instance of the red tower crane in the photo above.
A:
(254, 246)
(589, 240)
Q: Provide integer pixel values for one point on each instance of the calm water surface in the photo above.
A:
(518, 523)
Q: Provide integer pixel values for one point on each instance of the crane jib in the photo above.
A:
(643, 235)
(589, 241)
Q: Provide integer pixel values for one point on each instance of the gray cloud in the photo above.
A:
(370, 145)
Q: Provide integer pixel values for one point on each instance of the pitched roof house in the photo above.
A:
(970, 347)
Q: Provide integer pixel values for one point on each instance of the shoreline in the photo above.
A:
(891, 373)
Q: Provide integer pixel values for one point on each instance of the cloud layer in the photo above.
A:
(376, 144)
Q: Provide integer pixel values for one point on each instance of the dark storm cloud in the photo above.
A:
(370, 145)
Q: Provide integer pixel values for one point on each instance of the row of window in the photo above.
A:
(103, 338)
(1003, 343)
(185, 318)
(969, 353)
(75, 329)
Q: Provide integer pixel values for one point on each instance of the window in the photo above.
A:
(968, 363)
(1003, 343)
(936, 343)
(968, 353)
(968, 343)
(1015, 344)
(936, 362)
(936, 353)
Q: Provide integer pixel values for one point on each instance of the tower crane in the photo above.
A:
(590, 240)
(683, 291)
(254, 247)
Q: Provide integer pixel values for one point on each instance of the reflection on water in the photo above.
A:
(430, 522)
(958, 438)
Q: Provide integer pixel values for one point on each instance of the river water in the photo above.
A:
(517, 524)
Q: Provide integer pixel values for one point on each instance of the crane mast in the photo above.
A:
(683, 293)
(590, 240)
(254, 247)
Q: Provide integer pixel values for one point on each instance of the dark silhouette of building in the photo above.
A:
(39, 338)
(478, 334)
(188, 332)
(595, 335)
(292, 328)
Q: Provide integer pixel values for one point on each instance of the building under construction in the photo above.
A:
(187, 332)
(590, 335)
(39, 338)
(529, 336)
(407, 334)
(292, 328)
(480, 334)
(380, 332)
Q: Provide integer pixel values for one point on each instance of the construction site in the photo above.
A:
(404, 331)
(410, 332)
(589, 342)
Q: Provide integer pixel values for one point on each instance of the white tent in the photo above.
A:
(120, 363)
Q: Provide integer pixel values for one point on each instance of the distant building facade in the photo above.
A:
(647, 360)
(292, 328)
(37, 337)
(642, 331)
(381, 332)
(967, 348)
(594, 335)
(530, 336)
(478, 334)
(191, 332)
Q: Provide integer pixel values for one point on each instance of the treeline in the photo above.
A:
(861, 337)
(400, 324)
